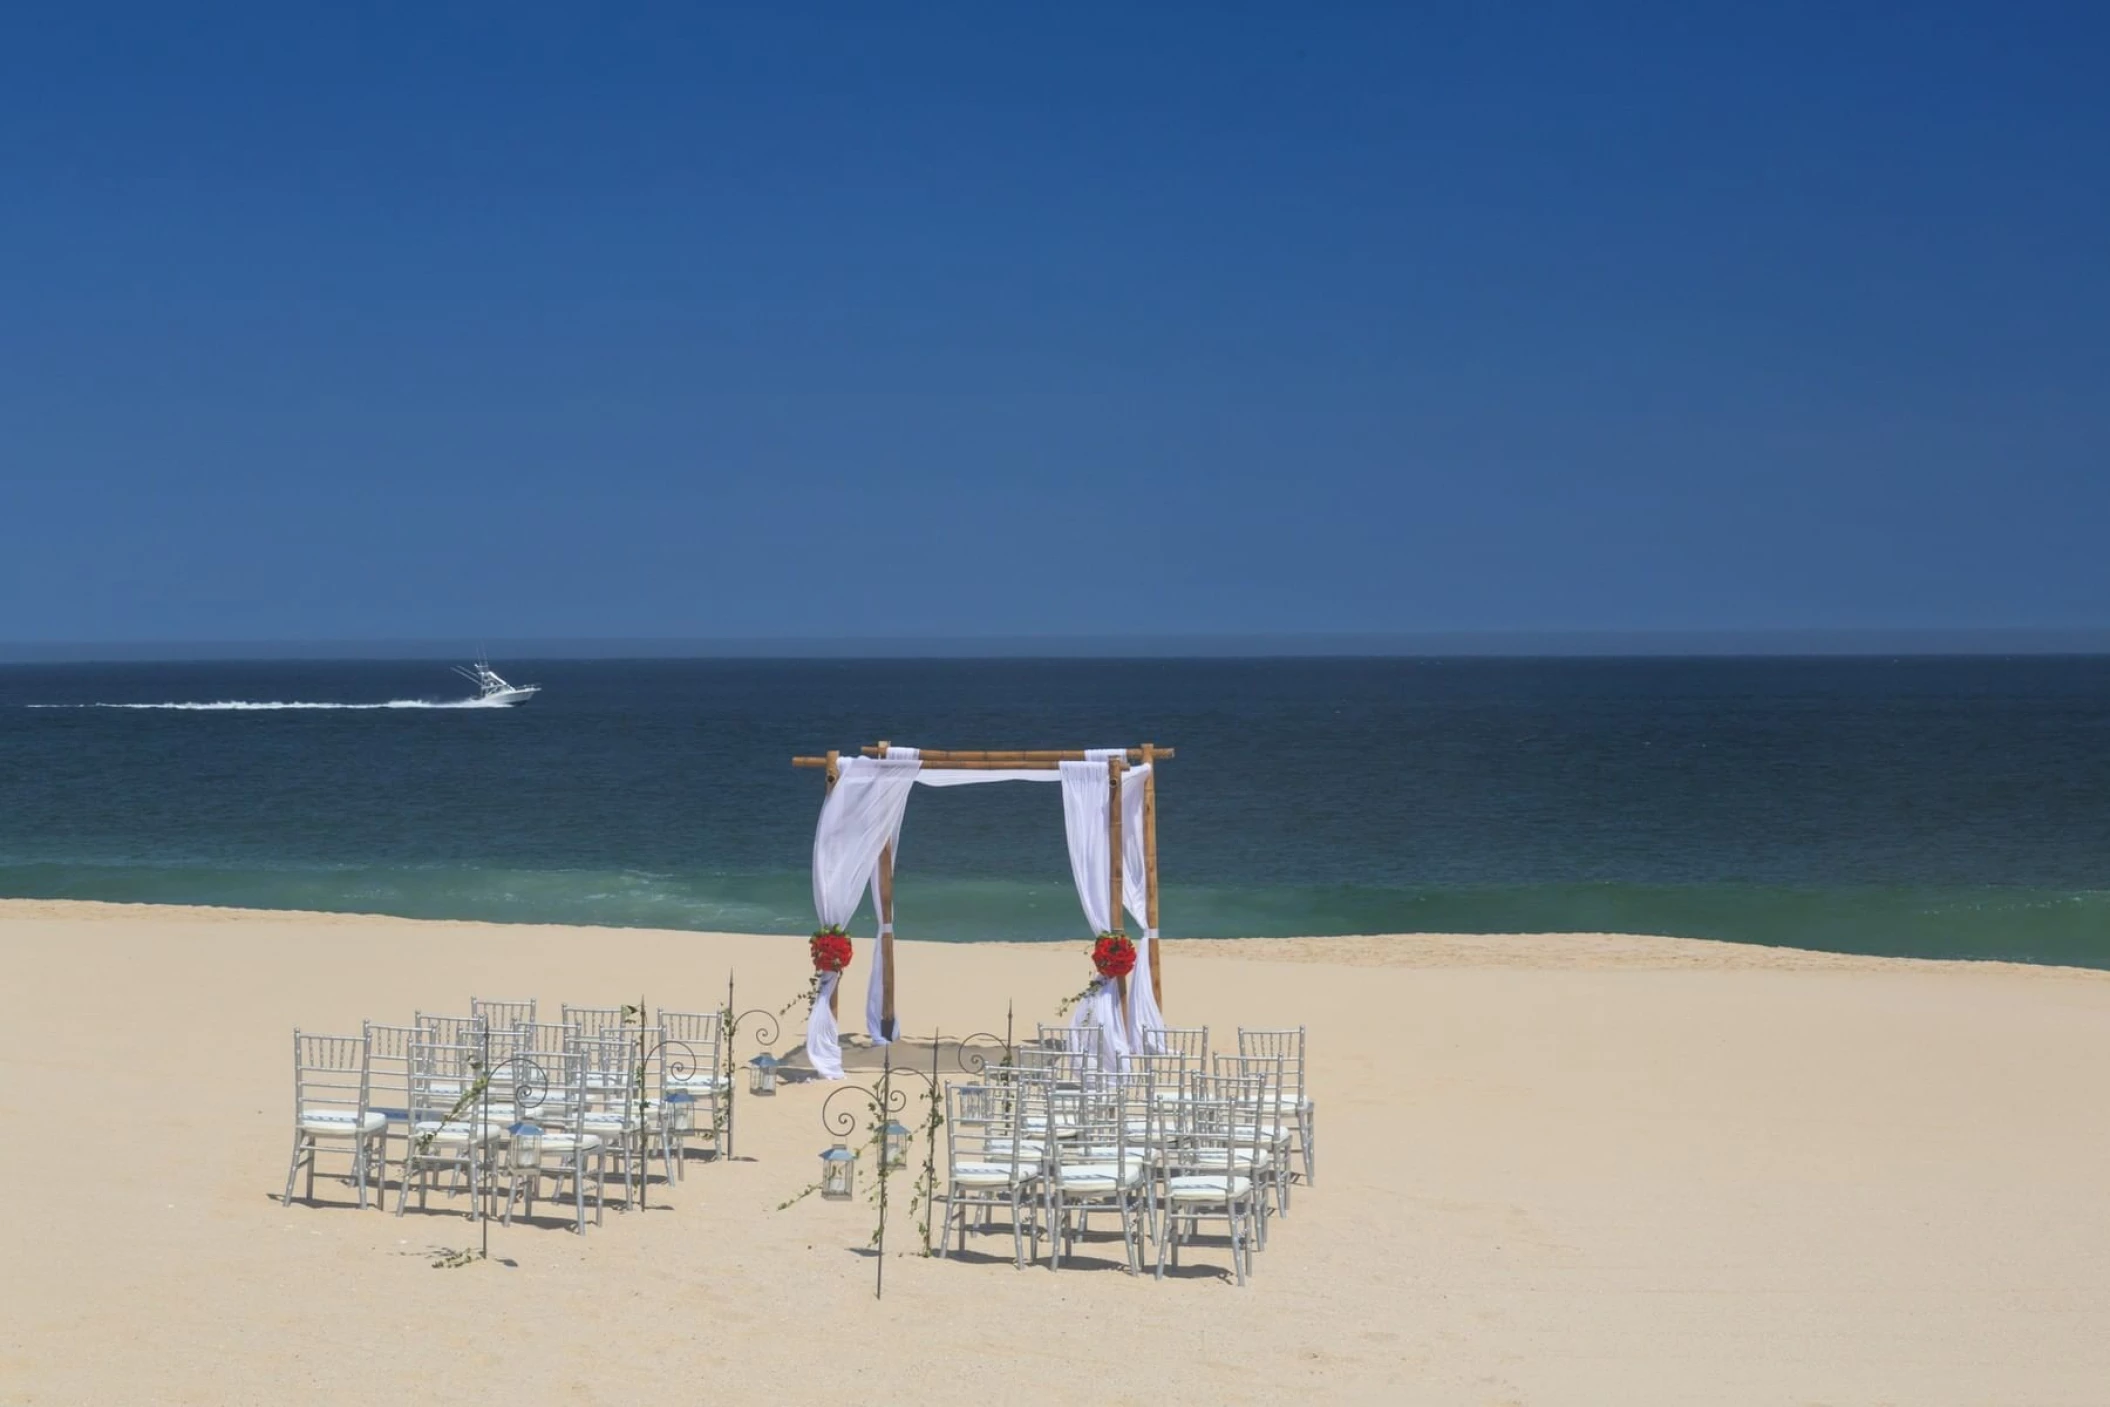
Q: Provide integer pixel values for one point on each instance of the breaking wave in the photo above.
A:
(262, 706)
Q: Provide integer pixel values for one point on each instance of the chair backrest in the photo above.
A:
(1068, 1051)
(1189, 1041)
(695, 1045)
(1240, 1075)
(592, 1020)
(329, 1074)
(1216, 1131)
(449, 1036)
(497, 1012)
(546, 1038)
(1090, 1122)
(1166, 1073)
(610, 1073)
(564, 1101)
(701, 1032)
(388, 1066)
(438, 1089)
(985, 1123)
(517, 1079)
(1287, 1042)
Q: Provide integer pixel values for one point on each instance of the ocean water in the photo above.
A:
(1934, 807)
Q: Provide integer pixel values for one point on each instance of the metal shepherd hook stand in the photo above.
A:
(765, 1036)
(882, 1104)
(677, 1060)
(530, 1088)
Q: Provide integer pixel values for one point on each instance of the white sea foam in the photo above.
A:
(257, 706)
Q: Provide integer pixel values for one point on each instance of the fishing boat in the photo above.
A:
(492, 690)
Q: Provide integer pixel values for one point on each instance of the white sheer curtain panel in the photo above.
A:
(1145, 1021)
(1085, 801)
(860, 817)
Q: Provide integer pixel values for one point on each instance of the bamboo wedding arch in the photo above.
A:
(1028, 760)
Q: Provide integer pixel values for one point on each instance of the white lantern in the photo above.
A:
(681, 1112)
(762, 1074)
(526, 1140)
(894, 1144)
(838, 1174)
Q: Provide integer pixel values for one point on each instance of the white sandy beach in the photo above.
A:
(1554, 1169)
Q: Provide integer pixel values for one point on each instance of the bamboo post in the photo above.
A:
(886, 933)
(1150, 874)
(1113, 858)
(835, 772)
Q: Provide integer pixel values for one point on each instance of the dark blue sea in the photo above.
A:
(1934, 807)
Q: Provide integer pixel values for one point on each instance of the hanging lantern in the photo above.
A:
(762, 1074)
(526, 1141)
(894, 1144)
(681, 1112)
(838, 1174)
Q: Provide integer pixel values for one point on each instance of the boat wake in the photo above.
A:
(268, 706)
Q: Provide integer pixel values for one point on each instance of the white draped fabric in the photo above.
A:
(861, 816)
(1145, 1021)
(966, 779)
(1084, 793)
(1085, 802)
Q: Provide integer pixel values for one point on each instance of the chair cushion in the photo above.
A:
(1216, 1157)
(987, 1174)
(570, 1143)
(1028, 1149)
(1097, 1177)
(1206, 1188)
(454, 1131)
(342, 1122)
(695, 1079)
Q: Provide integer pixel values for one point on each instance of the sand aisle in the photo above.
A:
(1553, 1170)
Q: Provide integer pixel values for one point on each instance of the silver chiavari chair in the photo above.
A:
(331, 1110)
(1210, 1173)
(1288, 1043)
(388, 1065)
(1091, 1167)
(622, 1107)
(448, 1132)
(693, 1064)
(1262, 1074)
(990, 1165)
(564, 1149)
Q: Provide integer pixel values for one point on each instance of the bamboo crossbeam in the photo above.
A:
(944, 766)
(1135, 754)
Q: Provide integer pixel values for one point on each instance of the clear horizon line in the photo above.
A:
(1874, 640)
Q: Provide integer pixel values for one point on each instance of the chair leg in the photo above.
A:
(292, 1168)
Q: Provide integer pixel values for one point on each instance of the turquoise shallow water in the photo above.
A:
(1955, 808)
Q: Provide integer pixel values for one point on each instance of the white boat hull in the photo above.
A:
(506, 698)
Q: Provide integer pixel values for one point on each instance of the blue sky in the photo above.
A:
(416, 321)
